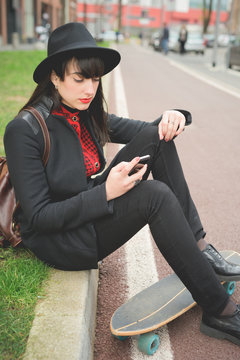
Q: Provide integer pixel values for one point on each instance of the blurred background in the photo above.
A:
(209, 22)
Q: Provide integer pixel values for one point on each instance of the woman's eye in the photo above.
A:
(78, 80)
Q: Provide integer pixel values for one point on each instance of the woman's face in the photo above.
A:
(75, 90)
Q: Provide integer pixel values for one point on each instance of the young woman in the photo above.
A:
(69, 218)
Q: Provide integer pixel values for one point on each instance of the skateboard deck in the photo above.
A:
(157, 305)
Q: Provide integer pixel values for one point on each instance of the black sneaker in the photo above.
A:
(225, 270)
(222, 327)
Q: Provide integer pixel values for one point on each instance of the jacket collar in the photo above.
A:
(44, 106)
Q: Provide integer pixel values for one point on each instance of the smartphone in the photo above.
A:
(143, 160)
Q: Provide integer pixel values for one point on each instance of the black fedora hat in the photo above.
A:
(70, 37)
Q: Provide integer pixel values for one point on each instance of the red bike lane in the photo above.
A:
(209, 151)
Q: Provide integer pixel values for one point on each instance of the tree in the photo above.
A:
(119, 22)
(207, 12)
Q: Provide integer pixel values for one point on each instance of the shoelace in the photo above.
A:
(215, 252)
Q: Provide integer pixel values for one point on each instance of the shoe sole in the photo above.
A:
(217, 334)
(228, 278)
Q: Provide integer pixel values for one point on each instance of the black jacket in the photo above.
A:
(58, 203)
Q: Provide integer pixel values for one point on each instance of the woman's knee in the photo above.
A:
(154, 187)
(149, 134)
(159, 204)
(155, 194)
(149, 139)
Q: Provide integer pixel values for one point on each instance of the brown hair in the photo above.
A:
(90, 68)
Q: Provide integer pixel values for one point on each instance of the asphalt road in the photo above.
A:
(209, 150)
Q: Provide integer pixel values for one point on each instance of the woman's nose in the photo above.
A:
(89, 87)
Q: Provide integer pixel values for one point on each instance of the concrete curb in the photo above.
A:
(64, 322)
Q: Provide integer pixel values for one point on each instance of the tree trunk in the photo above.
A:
(207, 12)
(119, 15)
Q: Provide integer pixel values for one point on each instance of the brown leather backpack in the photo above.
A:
(9, 228)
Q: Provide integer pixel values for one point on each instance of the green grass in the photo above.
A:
(21, 277)
(21, 274)
(16, 83)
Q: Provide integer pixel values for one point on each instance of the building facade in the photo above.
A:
(100, 15)
(235, 19)
(19, 18)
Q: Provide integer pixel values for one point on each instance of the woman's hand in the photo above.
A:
(119, 182)
(172, 124)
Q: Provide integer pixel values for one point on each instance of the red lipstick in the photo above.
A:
(85, 101)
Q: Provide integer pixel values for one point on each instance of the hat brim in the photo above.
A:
(110, 58)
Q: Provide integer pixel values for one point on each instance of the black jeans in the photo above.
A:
(166, 205)
(182, 47)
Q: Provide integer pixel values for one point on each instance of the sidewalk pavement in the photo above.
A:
(201, 67)
(38, 45)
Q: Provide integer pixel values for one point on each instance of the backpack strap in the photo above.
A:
(45, 132)
(46, 138)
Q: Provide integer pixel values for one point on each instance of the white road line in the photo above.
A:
(140, 261)
(205, 79)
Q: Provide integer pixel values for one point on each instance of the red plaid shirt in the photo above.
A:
(90, 153)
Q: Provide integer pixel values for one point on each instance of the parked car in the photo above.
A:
(223, 40)
(172, 41)
(195, 43)
(234, 54)
(173, 44)
(155, 41)
(110, 35)
(209, 40)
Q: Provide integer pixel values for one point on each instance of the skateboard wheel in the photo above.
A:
(121, 338)
(148, 343)
(229, 287)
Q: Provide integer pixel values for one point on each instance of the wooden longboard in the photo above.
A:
(157, 305)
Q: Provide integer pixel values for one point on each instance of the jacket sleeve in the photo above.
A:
(122, 130)
(28, 177)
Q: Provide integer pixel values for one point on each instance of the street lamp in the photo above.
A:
(229, 36)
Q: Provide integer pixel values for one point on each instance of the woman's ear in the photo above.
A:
(54, 79)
